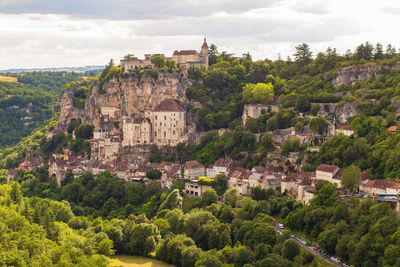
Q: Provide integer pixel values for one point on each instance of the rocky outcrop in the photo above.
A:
(132, 95)
(360, 73)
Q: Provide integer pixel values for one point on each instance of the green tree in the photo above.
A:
(232, 197)
(158, 60)
(173, 201)
(258, 93)
(153, 174)
(15, 193)
(303, 55)
(210, 258)
(209, 196)
(318, 124)
(243, 256)
(143, 239)
(290, 249)
(351, 177)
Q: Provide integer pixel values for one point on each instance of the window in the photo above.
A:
(156, 117)
(173, 132)
(165, 134)
(155, 133)
(165, 118)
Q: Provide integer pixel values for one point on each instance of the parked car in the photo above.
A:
(281, 226)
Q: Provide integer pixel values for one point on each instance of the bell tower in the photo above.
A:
(204, 52)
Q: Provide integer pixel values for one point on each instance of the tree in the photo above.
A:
(158, 60)
(232, 197)
(210, 258)
(209, 196)
(351, 177)
(290, 249)
(378, 51)
(153, 174)
(143, 239)
(190, 255)
(110, 205)
(15, 193)
(318, 124)
(173, 201)
(243, 256)
(130, 57)
(224, 239)
(303, 55)
(258, 93)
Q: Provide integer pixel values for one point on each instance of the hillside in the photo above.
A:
(265, 135)
(27, 101)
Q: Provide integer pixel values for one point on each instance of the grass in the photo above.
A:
(8, 79)
(136, 261)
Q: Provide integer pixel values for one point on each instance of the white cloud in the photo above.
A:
(73, 37)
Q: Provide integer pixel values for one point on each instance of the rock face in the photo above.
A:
(131, 95)
(360, 73)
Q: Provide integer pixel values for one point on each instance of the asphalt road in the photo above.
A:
(316, 253)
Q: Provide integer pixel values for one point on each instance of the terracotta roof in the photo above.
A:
(169, 105)
(185, 52)
(138, 120)
(24, 165)
(392, 129)
(327, 168)
(346, 127)
(223, 162)
(192, 164)
(382, 184)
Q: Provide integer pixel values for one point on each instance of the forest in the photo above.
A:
(29, 103)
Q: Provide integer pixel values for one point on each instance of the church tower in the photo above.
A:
(204, 52)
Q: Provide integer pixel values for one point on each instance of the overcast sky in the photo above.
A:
(58, 33)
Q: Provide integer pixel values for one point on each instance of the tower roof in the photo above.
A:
(205, 45)
(169, 105)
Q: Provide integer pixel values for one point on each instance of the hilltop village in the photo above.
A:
(129, 121)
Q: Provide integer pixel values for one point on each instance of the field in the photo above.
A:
(135, 261)
(8, 79)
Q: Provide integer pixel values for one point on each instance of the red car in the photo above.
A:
(314, 248)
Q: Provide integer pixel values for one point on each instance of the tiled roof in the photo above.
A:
(382, 184)
(185, 52)
(327, 168)
(392, 129)
(192, 164)
(169, 105)
(345, 127)
(223, 162)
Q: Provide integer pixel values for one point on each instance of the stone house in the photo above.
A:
(329, 173)
(380, 187)
(306, 193)
(192, 169)
(224, 166)
(192, 188)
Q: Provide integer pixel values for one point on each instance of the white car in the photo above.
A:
(281, 226)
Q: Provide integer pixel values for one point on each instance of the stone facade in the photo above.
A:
(165, 125)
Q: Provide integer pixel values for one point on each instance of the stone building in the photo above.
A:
(165, 125)
(329, 173)
(110, 112)
(184, 59)
(193, 169)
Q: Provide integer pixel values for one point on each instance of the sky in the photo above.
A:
(67, 33)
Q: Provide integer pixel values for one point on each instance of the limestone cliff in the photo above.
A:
(131, 94)
(360, 73)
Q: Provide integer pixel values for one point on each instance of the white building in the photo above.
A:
(329, 173)
(345, 129)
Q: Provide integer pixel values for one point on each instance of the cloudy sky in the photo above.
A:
(58, 33)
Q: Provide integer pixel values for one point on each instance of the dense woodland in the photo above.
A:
(86, 219)
(29, 103)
